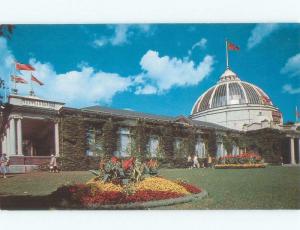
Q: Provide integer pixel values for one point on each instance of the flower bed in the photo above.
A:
(242, 161)
(96, 192)
(124, 181)
(239, 166)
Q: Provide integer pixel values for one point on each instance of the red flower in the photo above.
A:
(127, 164)
(190, 188)
(114, 160)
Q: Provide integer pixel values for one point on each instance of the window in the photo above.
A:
(235, 150)
(94, 146)
(177, 144)
(125, 142)
(200, 148)
(221, 151)
(153, 146)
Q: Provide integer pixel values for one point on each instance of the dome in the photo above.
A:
(230, 90)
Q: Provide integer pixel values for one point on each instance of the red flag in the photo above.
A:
(232, 46)
(18, 79)
(20, 66)
(33, 78)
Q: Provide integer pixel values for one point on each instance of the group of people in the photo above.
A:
(4, 164)
(193, 162)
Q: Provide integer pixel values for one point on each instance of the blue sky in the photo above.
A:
(154, 68)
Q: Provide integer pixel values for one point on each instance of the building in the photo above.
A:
(235, 104)
(227, 119)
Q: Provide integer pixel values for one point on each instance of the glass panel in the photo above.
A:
(219, 98)
(253, 97)
(205, 101)
(236, 95)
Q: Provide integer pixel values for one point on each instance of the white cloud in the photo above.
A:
(79, 88)
(163, 73)
(290, 89)
(260, 32)
(292, 66)
(147, 89)
(86, 86)
(121, 34)
(201, 44)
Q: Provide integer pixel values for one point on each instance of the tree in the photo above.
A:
(6, 30)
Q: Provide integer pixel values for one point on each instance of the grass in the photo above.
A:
(274, 187)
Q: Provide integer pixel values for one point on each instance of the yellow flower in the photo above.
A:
(105, 187)
(160, 184)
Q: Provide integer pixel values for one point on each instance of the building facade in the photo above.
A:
(223, 122)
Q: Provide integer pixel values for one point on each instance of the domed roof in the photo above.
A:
(230, 90)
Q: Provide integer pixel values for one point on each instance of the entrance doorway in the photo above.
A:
(38, 137)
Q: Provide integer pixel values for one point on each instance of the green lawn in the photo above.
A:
(270, 188)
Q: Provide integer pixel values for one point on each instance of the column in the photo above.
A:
(56, 138)
(19, 137)
(6, 140)
(292, 146)
(3, 145)
(8, 146)
(12, 137)
(298, 150)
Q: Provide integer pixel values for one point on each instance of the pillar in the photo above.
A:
(56, 138)
(292, 151)
(19, 137)
(3, 145)
(298, 150)
(12, 137)
(6, 140)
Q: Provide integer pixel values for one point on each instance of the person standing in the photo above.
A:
(53, 164)
(196, 162)
(4, 164)
(209, 161)
(190, 162)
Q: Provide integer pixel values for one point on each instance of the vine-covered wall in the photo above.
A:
(75, 127)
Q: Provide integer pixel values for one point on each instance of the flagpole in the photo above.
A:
(15, 81)
(31, 93)
(227, 59)
(296, 114)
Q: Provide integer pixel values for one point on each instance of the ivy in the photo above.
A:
(109, 138)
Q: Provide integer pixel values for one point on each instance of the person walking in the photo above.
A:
(4, 164)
